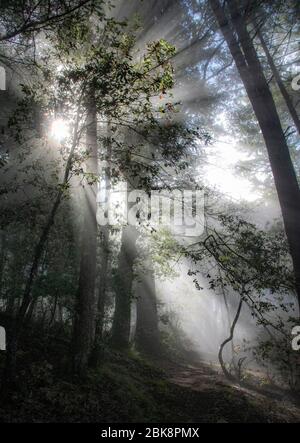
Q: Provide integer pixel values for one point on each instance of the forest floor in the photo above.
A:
(127, 388)
(270, 401)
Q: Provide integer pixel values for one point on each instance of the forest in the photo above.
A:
(150, 212)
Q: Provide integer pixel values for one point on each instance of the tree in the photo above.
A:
(280, 83)
(123, 282)
(147, 338)
(104, 282)
(26, 18)
(242, 49)
(85, 310)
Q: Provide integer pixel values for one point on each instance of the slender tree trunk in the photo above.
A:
(102, 294)
(227, 308)
(15, 270)
(2, 258)
(229, 339)
(124, 280)
(104, 267)
(30, 310)
(147, 333)
(242, 50)
(276, 74)
(53, 313)
(85, 310)
(103, 280)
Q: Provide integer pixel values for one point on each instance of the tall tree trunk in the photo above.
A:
(85, 310)
(242, 50)
(104, 267)
(53, 313)
(147, 333)
(124, 280)
(2, 257)
(102, 295)
(276, 74)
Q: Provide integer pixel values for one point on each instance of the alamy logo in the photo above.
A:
(296, 83)
(296, 339)
(2, 79)
(2, 339)
(180, 211)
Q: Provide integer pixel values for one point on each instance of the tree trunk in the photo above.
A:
(229, 339)
(53, 313)
(2, 258)
(85, 310)
(276, 74)
(251, 72)
(147, 333)
(104, 266)
(227, 308)
(124, 279)
(102, 293)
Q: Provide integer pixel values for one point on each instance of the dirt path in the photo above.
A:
(200, 377)
(275, 403)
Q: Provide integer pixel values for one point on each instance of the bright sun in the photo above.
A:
(220, 172)
(59, 130)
